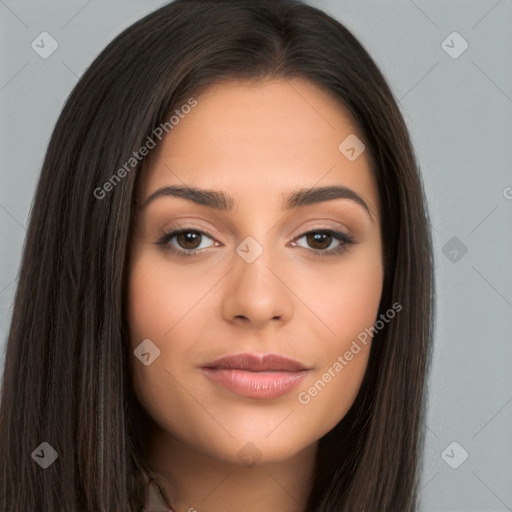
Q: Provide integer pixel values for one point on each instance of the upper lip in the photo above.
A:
(256, 363)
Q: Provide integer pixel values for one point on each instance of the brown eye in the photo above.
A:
(186, 242)
(189, 240)
(320, 240)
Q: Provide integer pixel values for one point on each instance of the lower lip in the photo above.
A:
(271, 384)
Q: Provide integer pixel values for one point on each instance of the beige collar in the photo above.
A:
(155, 499)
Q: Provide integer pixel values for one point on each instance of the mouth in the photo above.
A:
(256, 376)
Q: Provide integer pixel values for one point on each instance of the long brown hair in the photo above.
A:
(66, 380)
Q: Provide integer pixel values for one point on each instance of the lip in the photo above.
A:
(256, 376)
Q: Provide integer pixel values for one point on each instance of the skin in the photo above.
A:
(255, 141)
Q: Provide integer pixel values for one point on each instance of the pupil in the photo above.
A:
(320, 238)
(188, 237)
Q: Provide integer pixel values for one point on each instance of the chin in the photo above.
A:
(245, 449)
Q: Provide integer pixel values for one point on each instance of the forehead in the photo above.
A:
(261, 137)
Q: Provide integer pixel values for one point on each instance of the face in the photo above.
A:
(254, 270)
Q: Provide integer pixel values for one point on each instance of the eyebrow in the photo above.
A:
(221, 201)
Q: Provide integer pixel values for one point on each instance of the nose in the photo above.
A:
(257, 293)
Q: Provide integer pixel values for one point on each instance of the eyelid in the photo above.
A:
(345, 240)
(171, 231)
(322, 226)
(189, 227)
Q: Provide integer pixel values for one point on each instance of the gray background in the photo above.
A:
(459, 112)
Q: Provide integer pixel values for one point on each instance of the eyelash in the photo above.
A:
(167, 236)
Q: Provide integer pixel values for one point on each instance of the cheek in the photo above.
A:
(158, 302)
(160, 297)
(345, 303)
(160, 305)
(343, 300)
(148, 297)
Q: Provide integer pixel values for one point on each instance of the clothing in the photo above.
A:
(155, 499)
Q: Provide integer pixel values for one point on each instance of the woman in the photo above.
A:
(226, 294)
